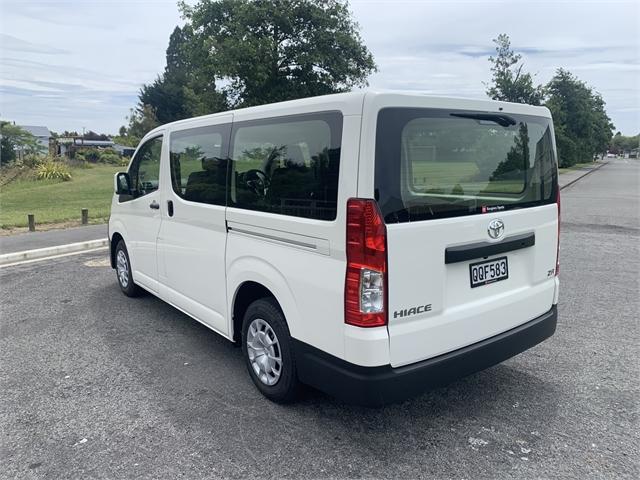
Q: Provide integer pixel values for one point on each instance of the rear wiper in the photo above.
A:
(499, 118)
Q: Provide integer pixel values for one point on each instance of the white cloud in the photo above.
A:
(90, 57)
(72, 63)
(416, 41)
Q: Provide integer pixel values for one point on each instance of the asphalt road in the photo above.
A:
(93, 384)
(51, 238)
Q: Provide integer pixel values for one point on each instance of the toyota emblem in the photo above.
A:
(496, 228)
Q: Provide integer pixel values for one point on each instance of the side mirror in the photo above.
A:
(122, 183)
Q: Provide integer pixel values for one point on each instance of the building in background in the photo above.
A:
(68, 146)
(42, 134)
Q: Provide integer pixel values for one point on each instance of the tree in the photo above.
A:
(7, 147)
(166, 94)
(517, 156)
(186, 88)
(274, 50)
(142, 119)
(509, 83)
(66, 133)
(91, 135)
(16, 141)
(621, 143)
(238, 53)
(582, 126)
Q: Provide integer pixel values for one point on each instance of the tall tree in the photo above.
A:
(238, 53)
(509, 83)
(186, 88)
(273, 50)
(188, 85)
(583, 128)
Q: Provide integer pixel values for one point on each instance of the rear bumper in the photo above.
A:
(375, 386)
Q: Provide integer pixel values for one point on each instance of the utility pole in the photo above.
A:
(83, 136)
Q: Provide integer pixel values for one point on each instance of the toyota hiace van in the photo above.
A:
(372, 245)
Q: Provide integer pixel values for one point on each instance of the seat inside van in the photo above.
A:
(207, 186)
(287, 178)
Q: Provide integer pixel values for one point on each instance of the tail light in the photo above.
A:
(558, 247)
(365, 290)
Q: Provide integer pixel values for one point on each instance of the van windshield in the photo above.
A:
(434, 163)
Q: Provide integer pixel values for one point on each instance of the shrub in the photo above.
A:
(32, 161)
(109, 156)
(88, 154)
(51, 170)
(98, 155)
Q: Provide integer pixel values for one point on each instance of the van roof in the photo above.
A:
(352, 102)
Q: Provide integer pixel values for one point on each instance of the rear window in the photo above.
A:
(433, 163)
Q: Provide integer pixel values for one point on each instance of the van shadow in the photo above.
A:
(194, 377)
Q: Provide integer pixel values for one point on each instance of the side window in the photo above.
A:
(199, 165)
(145, 168)
(287, 165)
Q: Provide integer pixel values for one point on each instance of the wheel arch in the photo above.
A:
(117, 232)
(258, 279)
(115, 239)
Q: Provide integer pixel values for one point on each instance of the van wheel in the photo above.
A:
(123, 272)
(266, 345)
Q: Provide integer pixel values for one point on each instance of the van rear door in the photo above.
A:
(469, 201)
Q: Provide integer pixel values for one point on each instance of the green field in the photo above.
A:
(55, 201)
(445, 176)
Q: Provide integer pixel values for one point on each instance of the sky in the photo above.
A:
(74, 64)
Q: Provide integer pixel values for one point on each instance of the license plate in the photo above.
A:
(490, 271)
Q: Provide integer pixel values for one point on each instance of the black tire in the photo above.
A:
(130, 289)
(287, 387)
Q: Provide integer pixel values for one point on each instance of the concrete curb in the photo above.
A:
(43, 253)
(585, 174)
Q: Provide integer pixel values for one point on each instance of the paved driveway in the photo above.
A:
(93, 384)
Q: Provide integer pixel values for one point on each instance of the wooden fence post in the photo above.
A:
(32, 222)
(85, 216)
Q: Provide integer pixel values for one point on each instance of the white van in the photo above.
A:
(372, 245)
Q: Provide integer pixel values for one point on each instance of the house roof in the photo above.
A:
(37, 131)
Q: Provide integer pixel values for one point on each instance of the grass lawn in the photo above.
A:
(442, 173)
(449, 175)
(575, 167)
(54, 201)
